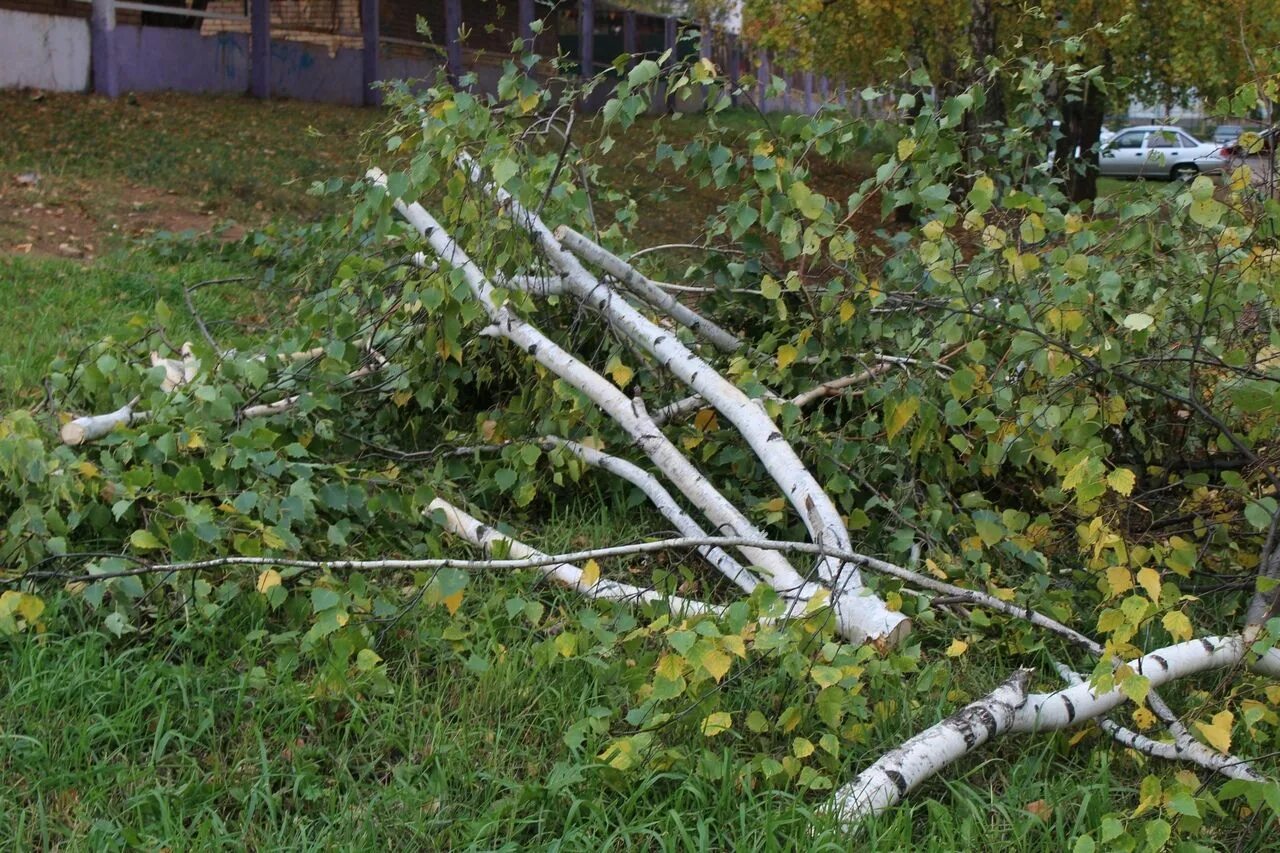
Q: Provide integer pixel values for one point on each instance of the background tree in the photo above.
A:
(1162, 53)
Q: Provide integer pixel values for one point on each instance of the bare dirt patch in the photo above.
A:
(78, 219)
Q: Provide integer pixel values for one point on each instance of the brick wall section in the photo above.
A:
(68, 8)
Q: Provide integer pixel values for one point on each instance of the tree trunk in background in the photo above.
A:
(1075, 159)
(982, 40)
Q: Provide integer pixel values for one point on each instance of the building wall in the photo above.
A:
(43, 51)
(151, 59)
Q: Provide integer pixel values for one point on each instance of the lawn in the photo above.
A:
(203, 735)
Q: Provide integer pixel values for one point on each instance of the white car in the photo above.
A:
(1160, 151)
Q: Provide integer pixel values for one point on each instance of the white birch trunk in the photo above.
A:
(1010, 709)
(665, 504)
(1184, 746)
(93, 427)
(642, 287)
(630, 414)
(820, 515)
(458, 522)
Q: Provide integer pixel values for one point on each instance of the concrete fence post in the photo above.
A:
(453, 39)
(369, 27)
(586, 38)
(260, 48)
(102, 28)
(526, 25)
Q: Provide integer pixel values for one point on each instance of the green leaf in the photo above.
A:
(1206, 212)
(1260, 512)
(1138, 321)
(504, 169)
(826, 676)
(1084, 844)
(144, 540)
(323, 599)
(716, 723)
(1201, 188)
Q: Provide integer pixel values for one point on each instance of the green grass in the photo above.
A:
(57, 307)
(204, 735)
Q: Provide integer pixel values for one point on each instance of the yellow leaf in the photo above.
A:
(87, 468)
(906, 147)
(775, 505)
(267, 580)
(1149, 580)
(1143, 719)
(1218, 731)
(1122, 480)
(902, 415)
(566, 644)
(669, 667)
(846, 311)
(957, 648)
(30, 607)
(195, 441)
(716, 663)
(717, 723)
(528, 103)
(620, 754)
(786, 355)
(1119, 580)
(452, 602)
(705, 420)
(1241, 178)
(802, 747)
(1177, 624)
(590, 574)
(620, 373)
(735, 644)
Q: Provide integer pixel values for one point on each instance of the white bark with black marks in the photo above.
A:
(851, 601)
(458, 522)
(629, 413)
(1009, 709)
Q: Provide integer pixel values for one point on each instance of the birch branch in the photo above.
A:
(178, 374)
(1010, 709)
(664, 503)
(477, 533)
(833, 387)
(1184, 747)
(93, 427)
(647, 290)
(852, 603)
(628, 413)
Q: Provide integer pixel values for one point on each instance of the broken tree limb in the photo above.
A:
(178, 374)
(631, 415)
(1010, 709)
(1184, 746)
(458, 522)
(901, 770)
(647, 290)
(93, 427)
(834, 387)
(851, 601)
(664, 503)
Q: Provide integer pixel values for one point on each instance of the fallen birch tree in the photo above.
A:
(1045, 435)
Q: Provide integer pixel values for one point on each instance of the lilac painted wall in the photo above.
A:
(155, 58)
(158, 58)
(308, 73)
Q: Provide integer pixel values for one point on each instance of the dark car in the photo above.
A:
(1246, 145)
(1227, 134)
